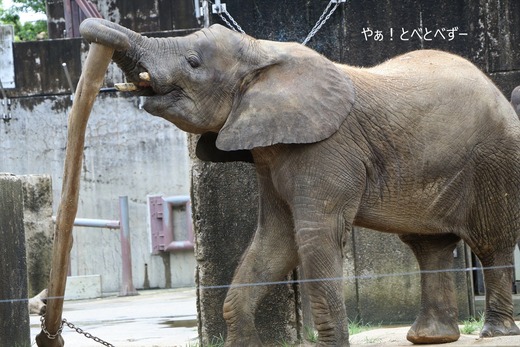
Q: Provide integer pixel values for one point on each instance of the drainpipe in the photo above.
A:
(127, 286)
(69, 80)
(6, 115)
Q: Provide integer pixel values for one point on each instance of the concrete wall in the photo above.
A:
(127, 152)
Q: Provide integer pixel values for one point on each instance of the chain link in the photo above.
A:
(235, 25)
(49, 335)
(325, 16)
(73, 327)
(323, 19)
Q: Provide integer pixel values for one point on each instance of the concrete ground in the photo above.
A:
(164, 317)
(397, 337)
(168, 318)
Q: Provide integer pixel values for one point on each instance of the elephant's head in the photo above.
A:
(252, 93)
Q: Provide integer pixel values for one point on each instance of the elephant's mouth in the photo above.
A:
(145, 86)
(142, 87)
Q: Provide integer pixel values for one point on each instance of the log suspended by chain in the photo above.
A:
(88, 87)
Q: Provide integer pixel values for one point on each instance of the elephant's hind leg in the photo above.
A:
(498, 277)
(437, 320)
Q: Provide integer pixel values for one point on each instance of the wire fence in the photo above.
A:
(329, 279)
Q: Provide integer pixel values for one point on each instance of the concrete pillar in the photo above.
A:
(39, 228)
(224, 200)
(14, 314)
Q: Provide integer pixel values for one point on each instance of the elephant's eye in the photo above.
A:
(193, 60)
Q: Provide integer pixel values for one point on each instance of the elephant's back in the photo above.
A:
(425, 61)
(431, 83)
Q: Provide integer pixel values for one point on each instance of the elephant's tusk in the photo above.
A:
(145, 76)
(126, 87)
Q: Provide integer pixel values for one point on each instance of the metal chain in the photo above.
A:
(236, 27)
(73, 327)
(323, 19)
(325, 16)
(49, 335)
(222, 9)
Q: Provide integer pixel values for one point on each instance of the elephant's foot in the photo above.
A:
(499, 328)
(433, 330)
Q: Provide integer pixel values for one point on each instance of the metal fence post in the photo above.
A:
(127, 286)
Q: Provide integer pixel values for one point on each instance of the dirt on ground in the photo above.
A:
(397, 337)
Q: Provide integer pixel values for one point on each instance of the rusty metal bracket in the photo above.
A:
(218, 7)
(161, 219)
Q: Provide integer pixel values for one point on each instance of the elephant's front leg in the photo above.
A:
(270, 257)
(320, 246)
(437, 320)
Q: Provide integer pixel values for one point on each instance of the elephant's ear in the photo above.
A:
(299, 97)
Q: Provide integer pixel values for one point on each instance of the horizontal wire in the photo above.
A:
(314, 280)
(344, 278)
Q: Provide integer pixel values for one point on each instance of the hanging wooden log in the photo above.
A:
(89, 83)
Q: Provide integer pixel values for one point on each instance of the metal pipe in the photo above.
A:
(127, 285)
(69, 80)
(94, 223)
(107, 90)
(177, 200)
(197, 9)
(6, 103)
(205, 13)
(179, 245)
(4, 96)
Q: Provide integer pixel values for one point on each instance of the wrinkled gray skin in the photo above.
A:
(423, 146)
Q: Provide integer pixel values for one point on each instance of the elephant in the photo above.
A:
(38, 303)
(424, 146)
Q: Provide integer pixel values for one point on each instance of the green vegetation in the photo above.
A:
(354, 327)
(357, 326)
(28, 31)
(472, 325)
(216, 341)
(311, 335)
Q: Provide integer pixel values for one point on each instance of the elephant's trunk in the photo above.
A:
(107, 33)
(129, 46)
